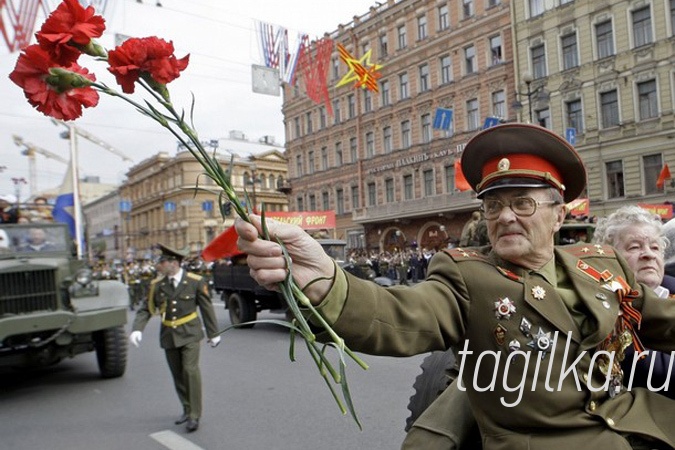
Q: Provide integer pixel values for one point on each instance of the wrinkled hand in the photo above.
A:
(135, 338)
(267, 262)
(214, 341)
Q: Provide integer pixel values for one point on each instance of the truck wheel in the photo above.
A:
(241, 310)
(111, 351)
(438, 371)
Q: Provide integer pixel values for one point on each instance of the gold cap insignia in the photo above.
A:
(503, 164)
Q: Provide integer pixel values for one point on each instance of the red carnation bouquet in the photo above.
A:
(58, 87)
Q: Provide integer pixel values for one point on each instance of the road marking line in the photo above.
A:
(174, 441)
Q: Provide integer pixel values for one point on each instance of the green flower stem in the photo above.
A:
(293, 296)
(316, 355)
(337, 339)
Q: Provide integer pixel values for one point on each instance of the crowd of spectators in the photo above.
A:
(402, 266)
(36, 211)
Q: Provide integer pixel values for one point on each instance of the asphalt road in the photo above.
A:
(254, 398)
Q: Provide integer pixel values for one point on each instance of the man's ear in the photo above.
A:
(560, 218)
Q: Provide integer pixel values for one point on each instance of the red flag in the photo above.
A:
(663, 176)
(223, 246)
(460, 181)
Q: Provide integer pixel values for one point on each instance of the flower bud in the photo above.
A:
(93, 49)
(156, 86)
(63, 80)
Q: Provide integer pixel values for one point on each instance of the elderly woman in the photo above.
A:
(669, 231)
(638, 236)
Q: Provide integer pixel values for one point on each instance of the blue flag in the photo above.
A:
(64, 207)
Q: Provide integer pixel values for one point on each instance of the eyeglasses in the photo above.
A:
(521, 206)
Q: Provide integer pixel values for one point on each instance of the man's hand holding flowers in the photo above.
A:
(58, 87)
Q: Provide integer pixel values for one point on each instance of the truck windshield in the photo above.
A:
(31, 240)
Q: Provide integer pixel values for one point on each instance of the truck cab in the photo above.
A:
(51, 307)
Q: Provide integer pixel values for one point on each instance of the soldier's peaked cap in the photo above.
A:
(522, 155)
(171, 253)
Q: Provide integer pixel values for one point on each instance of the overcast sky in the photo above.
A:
(220, 37)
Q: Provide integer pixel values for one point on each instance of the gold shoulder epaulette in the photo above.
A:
(589, 250)
(194, 276)
(465, 254)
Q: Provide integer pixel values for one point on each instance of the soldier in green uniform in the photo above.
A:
(176, 296)
(539, 330)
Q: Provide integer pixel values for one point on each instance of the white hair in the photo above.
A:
(669, 233)
(609, 228)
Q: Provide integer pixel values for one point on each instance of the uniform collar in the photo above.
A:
(547, 271)
(178, 276)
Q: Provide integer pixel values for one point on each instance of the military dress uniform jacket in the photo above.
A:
(176, 306)
(542, 397)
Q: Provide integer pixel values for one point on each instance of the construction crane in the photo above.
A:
(91, 138)
(30, 150)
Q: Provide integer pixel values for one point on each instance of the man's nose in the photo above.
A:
(506, 214)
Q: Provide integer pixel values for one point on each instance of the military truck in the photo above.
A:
(51, 308)
(244, 297)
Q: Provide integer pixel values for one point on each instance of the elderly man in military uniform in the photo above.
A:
(175, 296)
(540, 328)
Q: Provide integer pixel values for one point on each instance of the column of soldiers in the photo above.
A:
(138, 275)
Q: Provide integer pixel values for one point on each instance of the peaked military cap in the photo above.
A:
(522, 155)
(171, 253)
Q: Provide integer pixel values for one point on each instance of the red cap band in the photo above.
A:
(521, 165)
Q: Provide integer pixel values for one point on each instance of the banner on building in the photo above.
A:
(665, 211)
(307, 220)
(579, 207)
(313, 63)
(362, 72)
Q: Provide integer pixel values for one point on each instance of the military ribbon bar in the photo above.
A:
(630, 318)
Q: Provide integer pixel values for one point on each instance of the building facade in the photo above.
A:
(103, 228)
(392, 172)
(606, 70)
(599, 72)
(169, 200)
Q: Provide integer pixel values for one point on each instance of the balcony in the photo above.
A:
(285, 187)
(427, 206)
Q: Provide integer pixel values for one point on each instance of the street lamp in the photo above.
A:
(17, 187)
(252, 181)
(539, 91)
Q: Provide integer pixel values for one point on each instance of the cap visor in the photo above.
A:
(512, 183)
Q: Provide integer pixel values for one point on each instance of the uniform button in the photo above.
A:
(174, 310)
(585, 377)
(592, 406)
(610, 422)
(173, 318)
